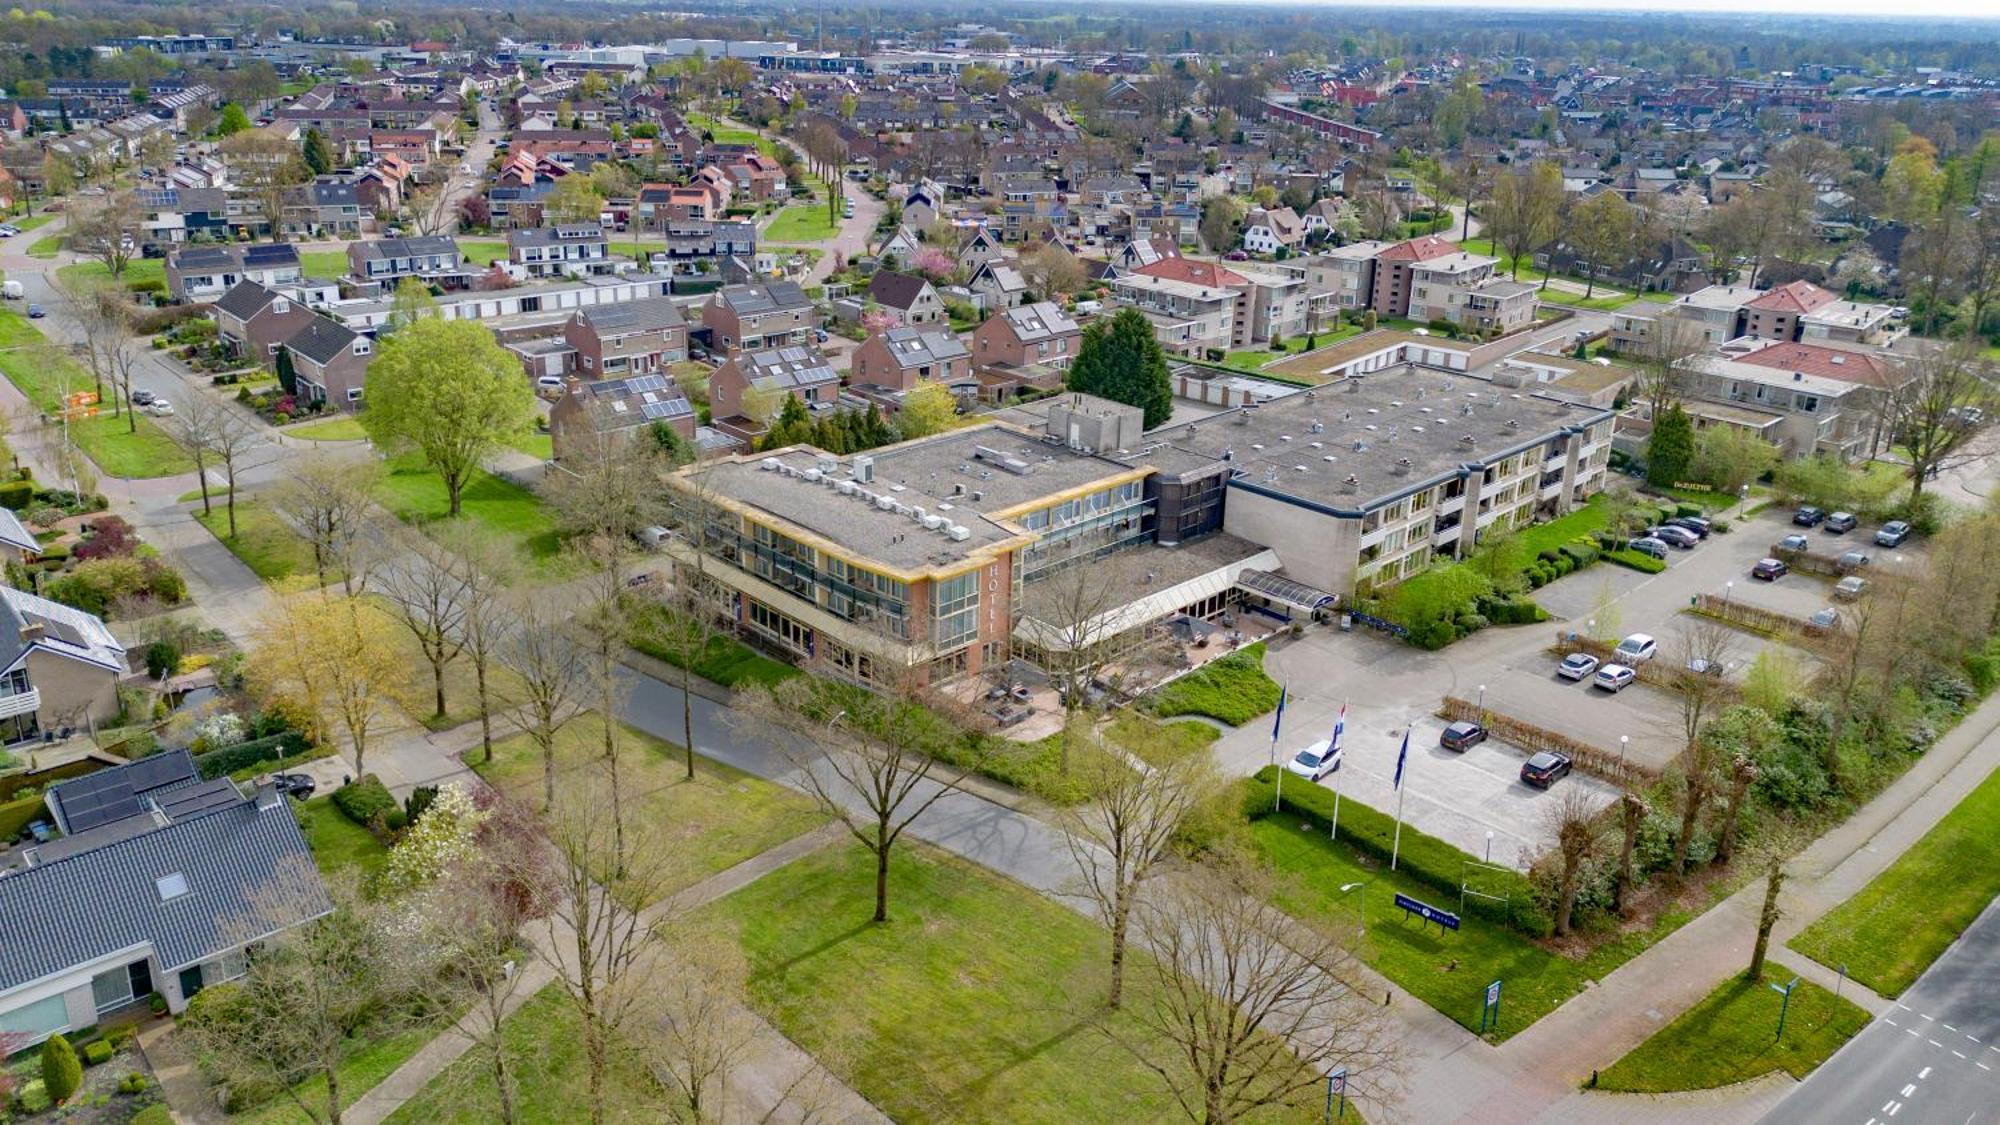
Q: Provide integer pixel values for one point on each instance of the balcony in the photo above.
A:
(20, 703)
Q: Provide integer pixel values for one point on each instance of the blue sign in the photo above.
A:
(1427, 912)
(1379, 624)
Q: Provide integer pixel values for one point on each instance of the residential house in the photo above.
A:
(385, 262)
(910, 297)
(798, 371)
(323, 209)
(901, 246)
(592, 411)
(634, 338)
(758, 317)
(203, 273)
(59, 670)
(160, 886)
(17, 543)
(572, 250)
(254, 322)
(998, 286)
(168, 216)
(897, 359)
(1270, 230)
(979, 247)
(1027, 347)
(330, 362)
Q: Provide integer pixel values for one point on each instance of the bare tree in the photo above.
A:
(485, 564)
(1699, 683)
(879, 771)
(228, 439)
(700, 1033)
(553, 675)
(1573, 823)
(685, 625)
(108, 231)
(1940, 393)
(431, 210)
(1070, 618)
(1631, 815)
(1669, 360)
(267, 167)
(427, 590)
(1249, 1007)
(1768, 915)
(194, 429)
(1125, 834)
(327, 500)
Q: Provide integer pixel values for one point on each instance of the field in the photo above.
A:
(346, 427)
(1731, 1037)
(44, 376)
(417, 495)
(263, 541)
(804, 222)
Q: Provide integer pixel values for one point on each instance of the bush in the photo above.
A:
(61, 1072)
(1233, 689)
(34, 1097)
(96, 1052)
(1645, 564)
(1422, 857)
(229, 759)
(418, 802)
(364, 799)
(155, 1114)
(137, 1083)
(17, 494)
(162, 657)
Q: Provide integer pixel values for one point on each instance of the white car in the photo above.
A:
(1636, 648)
(1615, 678)
(1577, 666)
(159, 408)
(1316, 761)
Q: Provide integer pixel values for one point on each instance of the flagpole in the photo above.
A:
(1397, 849)
(1278, 801)
(1335, 833)
(1339, 736)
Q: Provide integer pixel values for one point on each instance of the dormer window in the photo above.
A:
(280, 306)
(363, 345)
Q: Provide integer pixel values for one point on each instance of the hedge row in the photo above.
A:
(1422, 857)
(364, 800)
(1644, 564)
(229, 759)
(16, 815)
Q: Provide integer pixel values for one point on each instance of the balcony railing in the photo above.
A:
(20, 703)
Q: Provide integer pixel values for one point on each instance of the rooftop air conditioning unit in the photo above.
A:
(813, 475)
(959, 533)
(827, 462)
(769, 464)
(846, 488)
(885, 502)
(864, 469)
(933, 522)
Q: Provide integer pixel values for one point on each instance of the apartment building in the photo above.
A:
(1798, 310)
(1466, 290)
(565, 251)
(1347, 272)
(1267, 302)
(1187, 319)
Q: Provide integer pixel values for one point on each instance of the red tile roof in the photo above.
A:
(1193, 272)
(1793, 297)
(1419, 249)
(1829, 363)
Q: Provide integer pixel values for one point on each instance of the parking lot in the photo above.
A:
(1390, 687)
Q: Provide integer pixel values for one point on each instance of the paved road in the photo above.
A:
(1932, 1059)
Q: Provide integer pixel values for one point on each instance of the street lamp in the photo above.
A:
(1482, 701)
(1624, 742)
(1728, 588)
(1489, 845)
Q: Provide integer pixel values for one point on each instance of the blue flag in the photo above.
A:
(1339, 726)
(1278, 720)
(1401, 757)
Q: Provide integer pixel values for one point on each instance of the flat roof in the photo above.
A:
(1314, 364)
(1366, 425)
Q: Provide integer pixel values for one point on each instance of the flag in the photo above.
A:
(1402, 756)
(1339, 726)
(1278, 720)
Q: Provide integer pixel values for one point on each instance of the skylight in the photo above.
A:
(171, 886)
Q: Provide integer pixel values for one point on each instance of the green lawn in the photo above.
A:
(1659, 297)
(709, 824)
(47, 246)
(1582, 521)
(265, 543)
(1156, 742)
(16, 330)
(802, 223)
(417, 495)
(974, 1003)
(32, 222)
(1603, 297)
(338, 843)
(482, 251)
(323, 264)
(727, 661)
(138, 269)
(373, 1059)
(1448, 971)
(1909, 914)
(346, 427)
(545, 1039)
(1251, 359)
(541, 446)
(1731, 1037)
(45, 376)
(1233, 689)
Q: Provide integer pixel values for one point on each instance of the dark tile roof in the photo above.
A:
(86, 906)
(787, 368)
(322, 340)
(756, 300)
(615, 404)
(552, 236)
(420, 247)
(270, 255)
(66, 631)
(204, 258)
(95, 799)
(244, 300)
(896, 290)
(915, 347)
(632, 317)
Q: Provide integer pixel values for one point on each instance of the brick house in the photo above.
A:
(589, 412)
(750, 317)
(909, 296)
(1040, 334)
(255, 322)
(633, 338)
(329, 362)
(900, 358)
(800, 372)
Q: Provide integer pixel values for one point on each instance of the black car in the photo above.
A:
(1696, 524)
(1770, 570)
(1462, 736)
(1892, 534)
(297, 786)
(1840, 523)
(1545, 769)
(141, 397)
(1808, 516)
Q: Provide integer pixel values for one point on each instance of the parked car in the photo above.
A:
(1703, 666)
(1808, 516)
(1840, 523)
(1675, 536)
(1850, 587)
(142, 397)
(1462, 736)
(160, 408)
(1892, 534)
(297, 786)
(1825, 621)
(1545, 769)
(1614, 678)
(1577, 666)
(1636, 648)
(1696, 524)
(1852, 561)
(1770, 570)
(1647, 545)
(37, 312)
(1316, 761)
(1794, 543)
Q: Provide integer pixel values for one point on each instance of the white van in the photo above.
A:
(1089, 308)
(548, 386)
(654, 537)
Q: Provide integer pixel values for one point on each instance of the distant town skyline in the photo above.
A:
(1935, 9)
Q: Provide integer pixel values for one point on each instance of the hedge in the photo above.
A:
(1422, 857)
(96, 1053)
(12, 784)
(229, 759)
(365, 799)
(16, 815)
(17, 494)
(1644, 564)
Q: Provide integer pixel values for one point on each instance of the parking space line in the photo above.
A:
(1890, 1022)
(1923, 1074)
(1910, 1031)
(1947, 1027)
(1958, 1054)
(1982, 1066)
(1934, 1043)
(1909, 1089)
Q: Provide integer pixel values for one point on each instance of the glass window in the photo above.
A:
(38, 1020)
(111, 988)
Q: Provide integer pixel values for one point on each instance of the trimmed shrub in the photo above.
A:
(362, 800)
(34, 1096)
(1645, 564)
(157, 1114)
(61, 1072)
(96, 1052)
(1422, 857)
(229, 759)
(17, 494)
(162, 657)
(16, 815)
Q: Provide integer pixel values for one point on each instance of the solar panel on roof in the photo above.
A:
(646, 383)
(670, 409)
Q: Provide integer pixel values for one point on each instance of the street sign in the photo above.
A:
(1336, 1084)
(1426, 912)
(1489, 1016)
(1493, 994)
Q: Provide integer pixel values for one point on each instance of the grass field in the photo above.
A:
(323, 264)
(45, 376)
(1156, 742)
(338, 843)
(1602, 297)
(1251, 359)
(138, 269)
(263, 541)
(417, 495)
(802, 223)
(1233, 689)
(346, 427)
(1448, 971)
(482, 251)
(17, 331)
(374, 1058)
(47, 246)
(1909, 914)
(706, 825)
(974, 1003)
(540, 446)
(1731, 1037)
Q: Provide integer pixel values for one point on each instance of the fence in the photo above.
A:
(1520, 732)
(1749, 616)
(1811, 562)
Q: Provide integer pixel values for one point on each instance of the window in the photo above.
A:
(354, 394)
(111, 988)
(171, 886)
(38, 1020)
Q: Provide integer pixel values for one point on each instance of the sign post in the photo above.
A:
(1785, 1007)
(1425, 912)
(1336, 1084)
(1489, 1017)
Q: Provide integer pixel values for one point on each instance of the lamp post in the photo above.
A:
(1489, 845)
(1482, 701)
(1624, 743)
(1728, 588)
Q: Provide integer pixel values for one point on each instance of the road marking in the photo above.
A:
(1927, 1017)
(1894, 1108)
(1947, 1027)
(1974, 1038)
(1923, 1074)
(1934, 1043)
(1958, 1054)
(1982, 1066)
(1910, 1089)
(1890, 1022)
(1903, 1006)
(1910, 1031)
(1890, 1105)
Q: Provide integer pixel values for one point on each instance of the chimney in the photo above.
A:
(575, 385)
(268, 797)
(32, 631)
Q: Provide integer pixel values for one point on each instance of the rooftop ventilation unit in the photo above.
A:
(813, 475)
(1360, 447)
(1351, 484)
(959, 533)
(885, 502)
(918, 514)
(1006, 461)
(846, 487)
(1467, 439)
(864, 469)
(1402, 467)
(1243, 417)
(768, 464)
(1316, 427)
(826, 462)
(934, 522)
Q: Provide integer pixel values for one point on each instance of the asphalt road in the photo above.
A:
(1932, 1059)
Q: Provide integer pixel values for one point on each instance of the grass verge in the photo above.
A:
(417, 495)
(121, 447)
(371, 1061)
(263, 540)
(726, 660)
(344, 428)
(339, 844)
(1731, 1036)
(802, 222)
(1233, 689)
(1907, 916)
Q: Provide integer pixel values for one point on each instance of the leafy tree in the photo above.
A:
(448, 389)
(411, 302)
(1729, 457)
(1220, 216)
(234, 120)
(574, 199)
(1670, 449)
(61, 1072)
(929, 409)
(316, 152)
(1120, 359)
